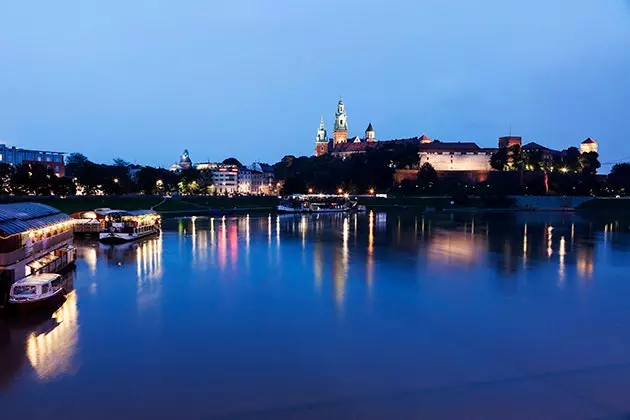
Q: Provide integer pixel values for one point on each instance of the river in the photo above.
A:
(381, 315)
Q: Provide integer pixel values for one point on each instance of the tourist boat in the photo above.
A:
(293, 205)
(124, 226)
(38, 291)
(318, 203)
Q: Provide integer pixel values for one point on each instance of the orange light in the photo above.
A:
(310, 191)
(340, 191)
(372, 191)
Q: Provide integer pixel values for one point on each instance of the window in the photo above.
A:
(45, 288)
(24, 290)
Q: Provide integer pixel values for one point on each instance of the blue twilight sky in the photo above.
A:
(144, 79)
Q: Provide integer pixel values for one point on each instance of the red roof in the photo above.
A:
(589, 141)
(425, 138)
(435, 146)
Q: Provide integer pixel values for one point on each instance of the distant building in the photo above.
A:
(509, 141)
(258, 178)
(184, 163)
(589, 145)
(224, 177)
(16, 156)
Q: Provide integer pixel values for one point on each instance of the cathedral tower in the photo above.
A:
(340, 135)
(369, 134)
(321, 141)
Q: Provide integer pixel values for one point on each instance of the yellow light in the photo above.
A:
(372, 191)
(310, 191)
(565, 170)
(116, 180)
(340, 191)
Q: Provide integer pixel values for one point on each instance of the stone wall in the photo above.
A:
(467, 161)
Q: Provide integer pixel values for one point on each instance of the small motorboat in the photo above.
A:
(38, 291)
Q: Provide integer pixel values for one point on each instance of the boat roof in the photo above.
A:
(22, 217)
(37, 279)
(141, 212)
(110, 212)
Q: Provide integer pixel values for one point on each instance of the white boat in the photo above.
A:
(36, 291)
(317, 203)
(125, 226)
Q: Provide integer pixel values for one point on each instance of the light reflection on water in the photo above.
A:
(208, 283)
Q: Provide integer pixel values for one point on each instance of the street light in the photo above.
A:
(116, 180)
(340, 191)
(310, 191)
(565, 169)
(371, 191)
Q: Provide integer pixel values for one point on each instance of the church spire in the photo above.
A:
(341, 124)
(322, 136)
(321, 140)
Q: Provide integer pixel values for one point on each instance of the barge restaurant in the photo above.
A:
(34, 239)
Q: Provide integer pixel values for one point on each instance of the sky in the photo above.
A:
(146, 79)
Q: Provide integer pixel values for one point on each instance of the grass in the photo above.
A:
(607, 205)
(82, 203)
(203, 203)
(418, 202)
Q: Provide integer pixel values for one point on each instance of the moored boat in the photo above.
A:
(39, 291)
(124, 226)
(318, 203)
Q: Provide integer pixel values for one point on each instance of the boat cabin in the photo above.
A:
(34, 239)
(36, 288)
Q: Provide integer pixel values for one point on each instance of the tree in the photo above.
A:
(205, 181)
(590, 163)
(427, 177)
(534, 160)
(232, 161)
(405, 156)
(516, 157)
(33, 179)
(121, 162)
(499, 159)
(76, 159)
(572, 160)
(6, 172)
(619, 178)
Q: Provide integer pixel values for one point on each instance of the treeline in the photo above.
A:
(85, 177)
(515, 158)
(517, 172)
(357, 174)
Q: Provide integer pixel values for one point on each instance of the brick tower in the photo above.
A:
(321, 141)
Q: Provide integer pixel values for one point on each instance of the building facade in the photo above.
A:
(17, 156)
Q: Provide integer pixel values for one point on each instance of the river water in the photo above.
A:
(382, 315)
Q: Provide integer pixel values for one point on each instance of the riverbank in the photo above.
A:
(607, 205)
(216, 205)
(194, 205)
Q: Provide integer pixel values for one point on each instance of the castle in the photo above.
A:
(443, 156)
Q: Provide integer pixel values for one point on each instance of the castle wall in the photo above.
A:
(457, 161)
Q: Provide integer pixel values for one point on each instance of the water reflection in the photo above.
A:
(346, 247)
(48, 342)
(51, 350)
(330, 262)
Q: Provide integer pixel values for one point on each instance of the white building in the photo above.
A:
(224, 177)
